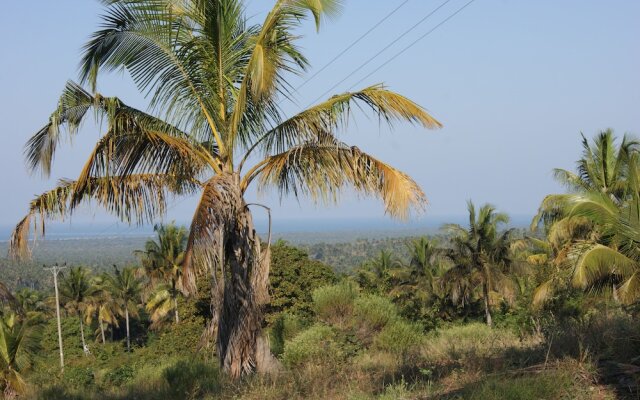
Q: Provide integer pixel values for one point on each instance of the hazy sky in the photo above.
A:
(514, 82)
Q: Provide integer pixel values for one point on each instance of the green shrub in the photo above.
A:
(557, 383)
(315, 344)
(284, 327)
(78, 377)
(334, 304)
(374, 311)
(120, 375)
(399, 337)
(471, 343)
(192, 379)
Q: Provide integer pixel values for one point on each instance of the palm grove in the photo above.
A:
(215, 127)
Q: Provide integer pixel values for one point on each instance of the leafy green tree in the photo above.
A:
(126, 288)
(19, 342)
(293, 278)
(162, 263)
(76, 291)
(216, 83)
(480, 256)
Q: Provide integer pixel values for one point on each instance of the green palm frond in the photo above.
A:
(334, 114)
(598, 262)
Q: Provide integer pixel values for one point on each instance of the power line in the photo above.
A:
(405, 33)
(412, 43)
(351, 45)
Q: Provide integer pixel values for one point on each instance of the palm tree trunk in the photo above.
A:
(242, 348)
(487, 311)
(175, 307)
(102, 331)
(84, 344)
(126, 317)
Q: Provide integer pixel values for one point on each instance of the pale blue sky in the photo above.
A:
(514, 82)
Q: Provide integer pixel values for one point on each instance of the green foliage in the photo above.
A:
(318, 344)
(399, 337)
(77, 377)
(192, 379)
(334, 304)
(548, 385)
(293, 278)
(120, 375)
(374, 311)
(284, 328)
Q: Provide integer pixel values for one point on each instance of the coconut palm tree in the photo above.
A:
(593, 238)
(31, 300)
(162, 262)
(415, 285)
(602, 168)
(76, 292)
(215, 128)
(19, 342)
(8, 299)
(375, 274)
(103, 307)
(480, 254)
(125, 287)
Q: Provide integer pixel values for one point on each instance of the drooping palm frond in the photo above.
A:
(598, 262)
(160, 305)
(321, 168)
(19, 343)
(334, 114)
(552, 208)
(208, 228)
(133, 198)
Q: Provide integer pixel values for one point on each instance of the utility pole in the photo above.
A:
(55, 269)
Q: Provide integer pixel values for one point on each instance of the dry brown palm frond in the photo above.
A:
(134, 198)
(217, 206)
(144, 152)
(321, 168)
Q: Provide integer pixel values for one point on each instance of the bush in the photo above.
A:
(374, 311)
(284, 328)
(78, 377)
(399, 337)
(120, 375)
(334, 304)
(316, 344)
(192, 379)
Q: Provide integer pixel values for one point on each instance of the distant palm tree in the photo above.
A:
(217, 84)
(19, 342)
(480, 256)
(126, 288)
(76, 291)
(376, 273)
(415, 285)
(162, 262)
(103, 307)
(8, 299)
(31, 300)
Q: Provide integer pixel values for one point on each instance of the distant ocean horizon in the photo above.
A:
(285, 228)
